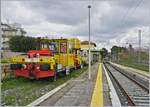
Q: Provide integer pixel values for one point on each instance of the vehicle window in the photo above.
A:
(63, 47)
(53, 46)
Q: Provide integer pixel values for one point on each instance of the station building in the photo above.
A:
(95, 53)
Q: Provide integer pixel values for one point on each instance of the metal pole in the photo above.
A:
(89, 46)
(139, 55)
(149, 44)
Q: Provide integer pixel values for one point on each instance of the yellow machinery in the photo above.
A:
(54, 55)
(66, 52)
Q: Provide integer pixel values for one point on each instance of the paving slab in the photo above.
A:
(77, 93)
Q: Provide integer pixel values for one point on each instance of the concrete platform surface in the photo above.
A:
(77, 93)
(80, 91)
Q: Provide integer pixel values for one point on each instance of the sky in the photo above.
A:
(113, 22)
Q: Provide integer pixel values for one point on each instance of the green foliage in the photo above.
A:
(130, 63)
(117, 49)
(114, 50)
(5, 60)
(22, 43)
(104, 52)
(129, 58)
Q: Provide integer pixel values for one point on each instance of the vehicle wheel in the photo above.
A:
(15, 66)
(79, 67)
(52, 79)
(45, 67)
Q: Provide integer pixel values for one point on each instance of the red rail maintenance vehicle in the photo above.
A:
(60, 56)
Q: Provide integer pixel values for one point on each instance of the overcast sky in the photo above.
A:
(113, 22)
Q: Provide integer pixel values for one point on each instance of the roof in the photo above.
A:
(11, 28)
(87, 42)
(4, 24)
(8, 29)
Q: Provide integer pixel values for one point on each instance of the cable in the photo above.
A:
(127, 13)
(134, 9)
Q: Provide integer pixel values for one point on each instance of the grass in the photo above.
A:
(131, 60)
(130, 63)
(136, 66)
(22, 91)
(5, 60)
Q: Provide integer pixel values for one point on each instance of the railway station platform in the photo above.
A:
(83, 92)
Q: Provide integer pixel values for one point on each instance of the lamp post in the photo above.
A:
(89, 7)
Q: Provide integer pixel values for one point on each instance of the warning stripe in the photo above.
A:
(97, 97)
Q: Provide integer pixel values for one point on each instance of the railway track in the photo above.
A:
(132, 91)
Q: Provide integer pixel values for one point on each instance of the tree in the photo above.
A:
(104, 52)
(22, 43)
(114, 52)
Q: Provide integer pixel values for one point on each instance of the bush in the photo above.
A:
(22, 43)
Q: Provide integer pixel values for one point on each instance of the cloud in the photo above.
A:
(15, 12)
(131, 37)
(66, 12)
(112, 22)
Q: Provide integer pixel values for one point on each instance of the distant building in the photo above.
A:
(95, 54)
(85, 45)
(8, 31)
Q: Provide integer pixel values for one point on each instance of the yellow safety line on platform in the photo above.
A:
(97, 97)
